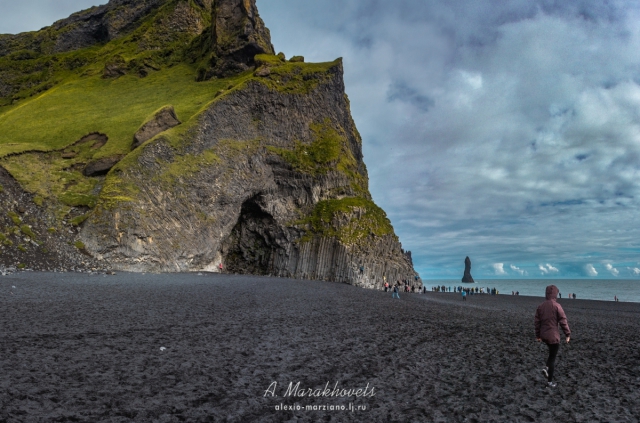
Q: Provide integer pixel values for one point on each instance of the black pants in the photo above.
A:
(551, 361)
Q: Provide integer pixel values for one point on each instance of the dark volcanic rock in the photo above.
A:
(164, 119)
(101, 166)
(229, 199)
(268, 178)
(407, 254)
(47, 244)
(263, 71)
(238, 34)
(115, 67)
(467, 271)
(32, 61)
(90, 27)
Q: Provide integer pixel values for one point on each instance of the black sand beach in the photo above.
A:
(75, 347)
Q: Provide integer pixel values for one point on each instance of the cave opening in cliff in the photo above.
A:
(252, 245)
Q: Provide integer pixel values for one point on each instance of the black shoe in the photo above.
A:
(545, 372)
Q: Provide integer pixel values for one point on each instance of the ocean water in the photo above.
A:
(586, 289)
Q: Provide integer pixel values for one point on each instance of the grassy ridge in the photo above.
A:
(117, 108)
(166, 36)
(55, 120)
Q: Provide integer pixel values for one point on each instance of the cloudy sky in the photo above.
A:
(508, 131)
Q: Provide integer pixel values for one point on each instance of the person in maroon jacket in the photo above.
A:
(548, 316)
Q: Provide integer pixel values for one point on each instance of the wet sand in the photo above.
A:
(75, 347)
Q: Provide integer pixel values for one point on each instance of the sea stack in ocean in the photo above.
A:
(467, 271)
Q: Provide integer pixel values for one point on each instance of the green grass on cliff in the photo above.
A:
(55, 120)
(60, 98)
(29, 65)
(316, 157)
(349, 219)
(294, 78)
(328, 151)
(184, 167)
(117, 108)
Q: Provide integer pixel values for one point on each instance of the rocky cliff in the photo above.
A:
(259, 171)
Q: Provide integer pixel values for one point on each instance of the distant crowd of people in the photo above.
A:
(474, 290)
(406, 287)
(399, 286)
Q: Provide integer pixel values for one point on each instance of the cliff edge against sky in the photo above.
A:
(168, 136)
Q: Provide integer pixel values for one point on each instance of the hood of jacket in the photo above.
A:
(551, 293)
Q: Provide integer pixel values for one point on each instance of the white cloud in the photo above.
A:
(591, 271)
(634, 270)
(474, 80)
(519, 270)
(547, 268)
(611, 269)
(499, 268)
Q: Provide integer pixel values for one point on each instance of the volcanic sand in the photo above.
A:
(78, 347)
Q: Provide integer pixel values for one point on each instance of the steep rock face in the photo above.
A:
(232, 192)
(101, 24)
(93, 26)
(30, 237)
(238, 35)
(160, 32)
(264, 175)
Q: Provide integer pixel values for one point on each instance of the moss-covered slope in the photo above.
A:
(263, 175)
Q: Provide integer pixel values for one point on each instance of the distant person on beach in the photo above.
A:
(464, 295)
(548, 316)
(574, 295)
(395, 292)
(559, 294)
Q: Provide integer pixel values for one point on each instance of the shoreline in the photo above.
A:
(541, 298)
(626, 290)
(110, 273)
